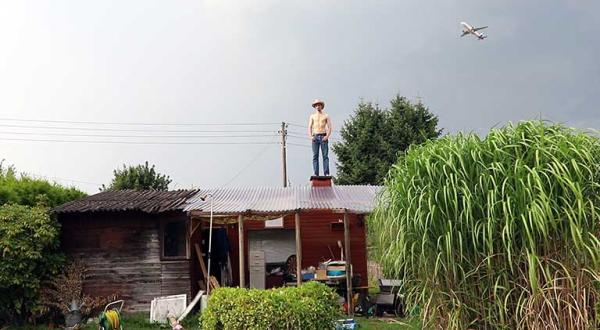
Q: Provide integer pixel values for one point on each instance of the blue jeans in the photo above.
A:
(316, 143)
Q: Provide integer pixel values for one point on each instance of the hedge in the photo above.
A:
(23, 189)
(29, 255)
(310, 306)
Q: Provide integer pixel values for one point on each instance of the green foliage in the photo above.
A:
(140, 177)
(501, 232)
(29, 248)
(311, 306)
(373, 139)
(25, 190)
(388, 324)
(135, 321)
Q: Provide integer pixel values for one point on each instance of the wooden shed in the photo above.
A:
(120, 237)
(143, 244)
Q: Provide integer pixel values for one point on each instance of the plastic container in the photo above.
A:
(336, 269)
(308, 276)
(347, 324)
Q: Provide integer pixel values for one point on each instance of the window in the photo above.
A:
(337, 226)
(174, 239)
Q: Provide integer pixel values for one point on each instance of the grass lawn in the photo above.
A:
(387, 324)
(130, 321)
(140, 321)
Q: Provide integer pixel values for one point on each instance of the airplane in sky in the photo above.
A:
(468, 29)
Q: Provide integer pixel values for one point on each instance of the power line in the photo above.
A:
(297, 134)
(299, 145)
(134, 130)
(54, 178)
(135, 123)
(299, 137)
(141, 136)
(131, 142)
(298, 125)
(262, 151)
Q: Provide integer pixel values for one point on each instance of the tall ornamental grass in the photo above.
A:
(500, 232)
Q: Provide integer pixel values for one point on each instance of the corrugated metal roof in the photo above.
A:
(355, 199)
(149, 201)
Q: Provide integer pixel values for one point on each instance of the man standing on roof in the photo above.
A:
(319, 131)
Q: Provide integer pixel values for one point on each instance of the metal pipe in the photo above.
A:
(209, 242)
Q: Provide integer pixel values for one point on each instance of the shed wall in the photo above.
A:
(122, 254)
(317, 235)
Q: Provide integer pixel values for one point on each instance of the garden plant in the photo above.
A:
(311, 306)
(500, 232)
(29, 256)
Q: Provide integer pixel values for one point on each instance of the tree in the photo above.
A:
(373, 138)
(28, 240)
(29, 249)
(24, 190)
(140, 177)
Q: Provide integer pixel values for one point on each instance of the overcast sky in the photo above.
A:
(224, 62)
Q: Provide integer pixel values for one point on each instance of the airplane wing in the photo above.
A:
(480, 28)
(465, 33)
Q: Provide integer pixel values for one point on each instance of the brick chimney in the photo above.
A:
(320, 181)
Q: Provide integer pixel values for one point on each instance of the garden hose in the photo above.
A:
(113, 318)
(110, 320)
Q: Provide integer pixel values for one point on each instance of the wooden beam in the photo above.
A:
(241, 251)
(348, 263)
(194, 228)
(298, 250)
(213, 282)
(201, 262)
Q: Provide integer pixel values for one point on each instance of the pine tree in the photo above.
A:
(374, 138)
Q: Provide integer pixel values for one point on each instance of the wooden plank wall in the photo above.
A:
(317, 235)
(122, 254)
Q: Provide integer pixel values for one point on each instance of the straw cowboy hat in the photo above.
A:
(317, 101)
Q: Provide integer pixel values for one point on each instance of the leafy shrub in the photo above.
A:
(500, 232)
(311, 306)
(140, 177)
(29, 248)
(25, 190)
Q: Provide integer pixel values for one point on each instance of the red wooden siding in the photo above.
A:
(316, 235)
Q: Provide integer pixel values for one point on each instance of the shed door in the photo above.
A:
(277, 244)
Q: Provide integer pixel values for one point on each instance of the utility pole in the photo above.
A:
(283, 151)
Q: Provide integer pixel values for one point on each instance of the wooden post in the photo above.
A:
(298, 251)
(241, 251)
(284, 151)
(348, 263)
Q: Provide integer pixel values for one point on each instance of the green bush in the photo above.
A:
(29, 249)
(25, 190)
(496, 232)
(311, 306)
